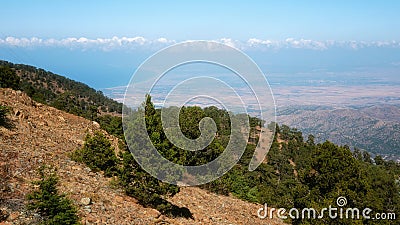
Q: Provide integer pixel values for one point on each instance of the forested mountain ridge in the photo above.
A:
(60, 92)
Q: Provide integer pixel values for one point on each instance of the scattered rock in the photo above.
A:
(87, 209)
(87, 169)
(17, 112)
(3, 214)
(13, 216)
(86, 201)
(96, 125)
(11, 187)
(61, 119)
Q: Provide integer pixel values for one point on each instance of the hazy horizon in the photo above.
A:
(318, 53)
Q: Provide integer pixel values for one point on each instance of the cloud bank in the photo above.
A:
(115, 43)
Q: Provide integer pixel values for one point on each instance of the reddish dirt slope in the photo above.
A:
(44, 135)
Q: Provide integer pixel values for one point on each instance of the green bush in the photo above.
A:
(111, 124)
(98, 154)
(137, 183)
(8, 78)
(4, 121)
(3, 115)
(54, 208)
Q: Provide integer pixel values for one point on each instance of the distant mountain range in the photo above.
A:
(372, 128)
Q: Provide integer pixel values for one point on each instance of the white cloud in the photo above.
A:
(395, 63)
(85, 43)
(108, 44)
(306, 44)
(318, 45)
(254, 42)
(229, 42)
(164, 40)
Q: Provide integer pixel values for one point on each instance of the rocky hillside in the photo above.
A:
(39, 134)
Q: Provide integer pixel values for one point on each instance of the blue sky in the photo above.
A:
(181, 20)
(102, 42)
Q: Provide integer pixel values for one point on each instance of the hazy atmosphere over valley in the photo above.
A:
(328, 127)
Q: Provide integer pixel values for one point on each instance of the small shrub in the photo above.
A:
(8, 78)
(98, 154)
(4, 121)
(54, 208)
(3, 115)
(148, 190)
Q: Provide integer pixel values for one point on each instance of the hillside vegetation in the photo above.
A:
(298, 173)
(43, 135)
(57, 91)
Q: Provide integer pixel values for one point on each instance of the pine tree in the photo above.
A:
(55, 208)
(138, 183)
(8, 78)
(3, 115)
(98, 154)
